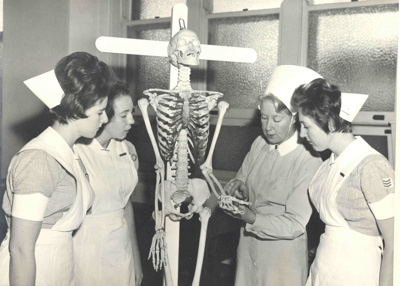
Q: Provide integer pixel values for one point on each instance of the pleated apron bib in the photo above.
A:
(344, 257)
(54, 247)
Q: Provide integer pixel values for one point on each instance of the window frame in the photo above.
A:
(199, 17)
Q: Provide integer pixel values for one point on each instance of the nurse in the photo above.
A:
(106, 250)
(353, 192)
(48, 193)
(274, 178)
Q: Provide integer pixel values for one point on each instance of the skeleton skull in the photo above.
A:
(184, 48)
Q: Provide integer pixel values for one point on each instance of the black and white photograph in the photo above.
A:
(199, 142)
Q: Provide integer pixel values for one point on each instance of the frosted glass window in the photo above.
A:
(316, 2)
(221, 6)
(150, 9)
(242, 83)
(144, 72)
(356, 49)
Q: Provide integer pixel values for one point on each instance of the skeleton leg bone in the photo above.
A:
(204, 218)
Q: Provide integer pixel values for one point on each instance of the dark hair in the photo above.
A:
(85, 80)
(321, 101)
(118, 89)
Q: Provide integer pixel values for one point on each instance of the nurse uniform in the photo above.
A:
(47, 165)
(350, 193)
(273, 250)
(102, 246)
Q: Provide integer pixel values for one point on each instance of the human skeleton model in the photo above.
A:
(183, 127)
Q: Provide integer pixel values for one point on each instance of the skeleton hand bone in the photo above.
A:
(158, 250)
(230, 203)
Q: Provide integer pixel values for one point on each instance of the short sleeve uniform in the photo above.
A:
(351, 192)
(370, 184)
(41, 167)
(35, 171)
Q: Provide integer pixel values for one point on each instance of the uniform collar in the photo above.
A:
(96, 146)
(287, 146)
(55, 145)
(348, 154)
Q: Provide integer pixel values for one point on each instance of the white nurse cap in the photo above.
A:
(286, 78)
(351, 105)
(46, 88)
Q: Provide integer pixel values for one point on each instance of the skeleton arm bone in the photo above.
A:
(212, 98)
(143, 104)
(207, 167)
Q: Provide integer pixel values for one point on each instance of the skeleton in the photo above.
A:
(182, 131)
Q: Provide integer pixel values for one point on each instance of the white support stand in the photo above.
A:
(179, 11)
(159, 48)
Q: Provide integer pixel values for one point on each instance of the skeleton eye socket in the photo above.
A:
(195, 43)
(181, 42)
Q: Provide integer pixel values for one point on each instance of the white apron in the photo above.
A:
(102, 246)
(344, 257)
(54, 248)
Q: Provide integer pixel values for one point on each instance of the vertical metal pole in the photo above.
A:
(179, 11)
(395, 133)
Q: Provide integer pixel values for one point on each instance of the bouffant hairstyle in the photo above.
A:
(321, 101)
(85, 81)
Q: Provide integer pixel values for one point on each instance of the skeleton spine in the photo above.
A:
(182, 164)
(183, 78)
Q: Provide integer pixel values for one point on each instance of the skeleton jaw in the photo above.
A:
(189, 58)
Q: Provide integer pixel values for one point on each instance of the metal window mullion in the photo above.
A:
(243, 14)
(330, 6)
(144, 22)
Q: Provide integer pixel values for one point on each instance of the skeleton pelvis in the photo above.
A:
(194, 197)
(177, 197)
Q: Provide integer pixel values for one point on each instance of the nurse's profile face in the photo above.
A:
(314, 134)
(120, 124)
(276, 126)
(96, 117)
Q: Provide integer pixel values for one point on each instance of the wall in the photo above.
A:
(36, 35)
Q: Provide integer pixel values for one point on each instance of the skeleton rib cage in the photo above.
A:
(175, 113)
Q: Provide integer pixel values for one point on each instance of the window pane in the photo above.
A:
(316, 2)
(356, 49)
(241, 83)
(150, 9)
(144, 72)
(239, 5)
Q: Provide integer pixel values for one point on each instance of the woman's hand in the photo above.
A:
(237, 189)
